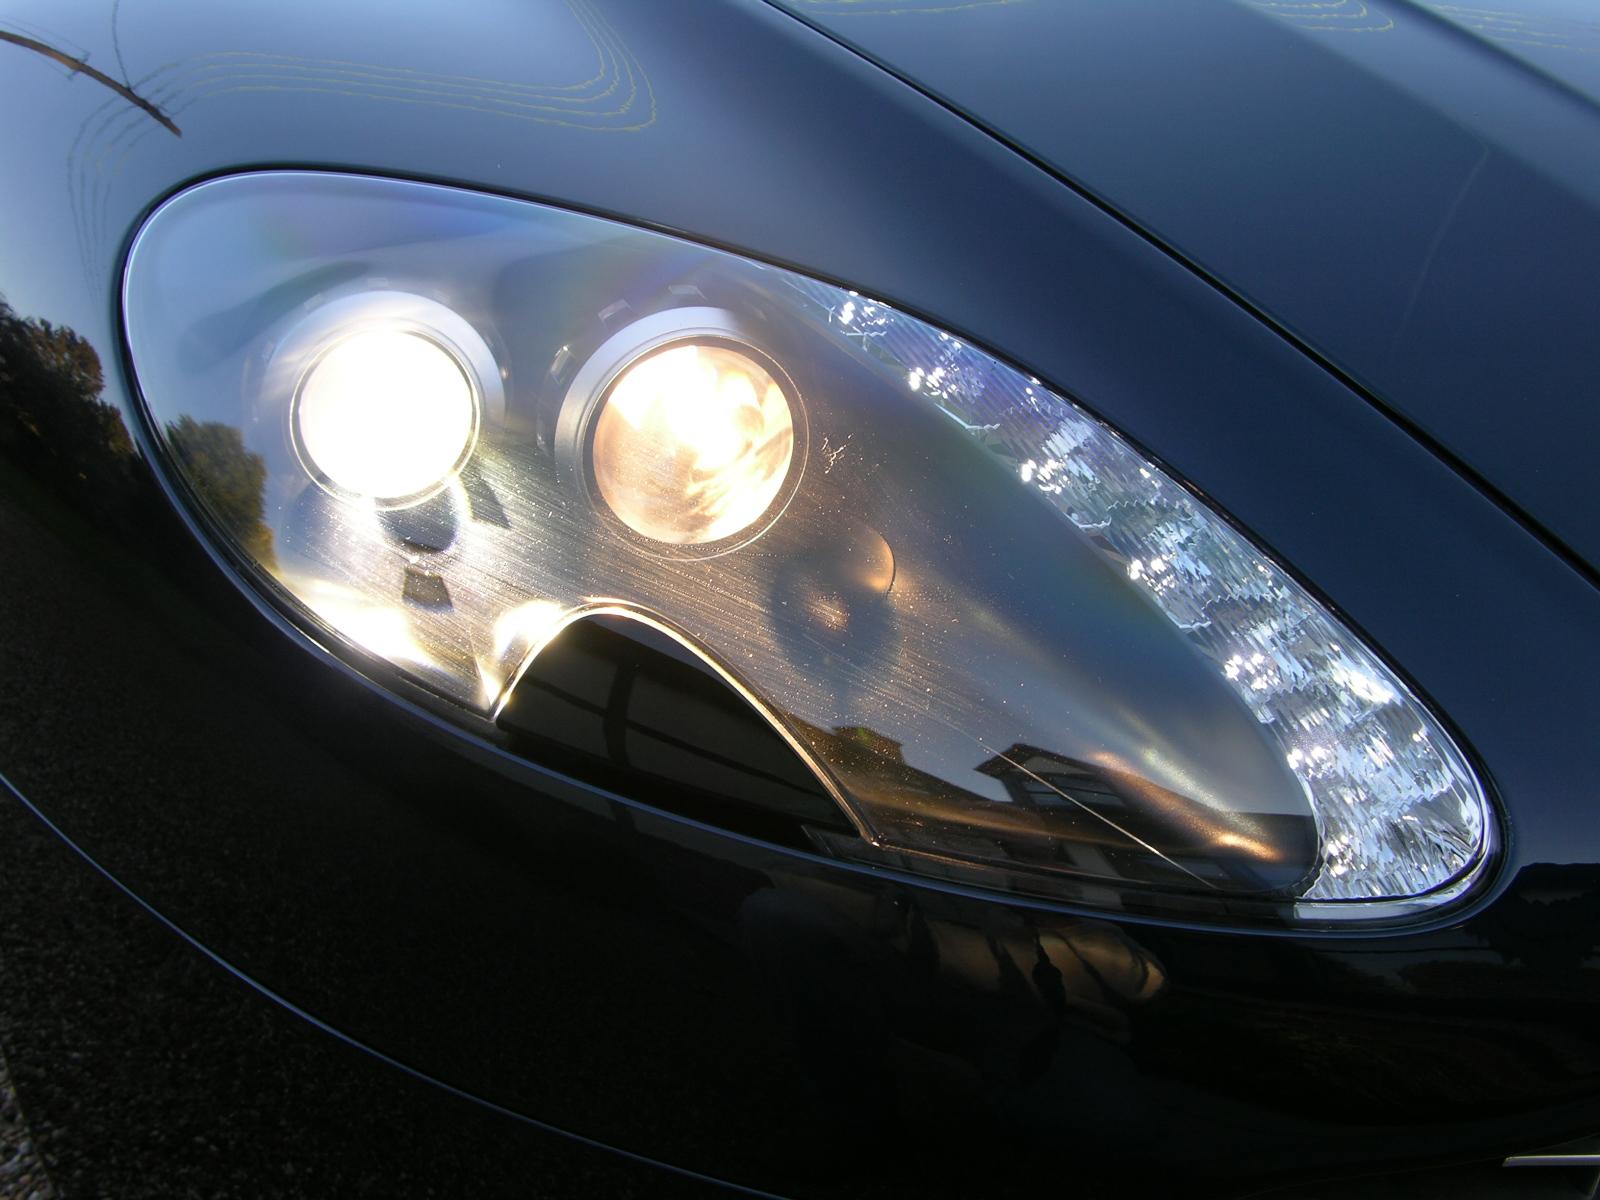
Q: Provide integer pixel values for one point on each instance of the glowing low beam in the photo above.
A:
(693, 444)
(385, 414)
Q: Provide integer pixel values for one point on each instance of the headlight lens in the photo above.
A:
(1014, 648)
(692, 443)
(386, 415)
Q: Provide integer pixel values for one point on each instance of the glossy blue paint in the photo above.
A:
(1411, 189)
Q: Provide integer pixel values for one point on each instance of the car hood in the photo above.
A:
(1412, 190)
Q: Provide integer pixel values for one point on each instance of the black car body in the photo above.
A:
(272, 929)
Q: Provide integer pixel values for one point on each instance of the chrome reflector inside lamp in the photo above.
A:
(692, 444)
(385, 414)
(1016, 652)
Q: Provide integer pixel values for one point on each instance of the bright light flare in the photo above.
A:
(382, 629)
(527, 626)
(387, 415)
(693, 444)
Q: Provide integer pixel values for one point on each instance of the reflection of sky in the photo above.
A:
(1558, 37)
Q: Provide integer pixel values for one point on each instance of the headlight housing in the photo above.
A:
(1015, 650)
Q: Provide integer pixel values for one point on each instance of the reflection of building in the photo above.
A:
(1055, 814)
(1072, 794)
(627, 708)
(623, 706)
(1114, 823)
(1051, 814)
(1040, 779)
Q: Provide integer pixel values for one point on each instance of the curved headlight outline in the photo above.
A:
(1358, 669)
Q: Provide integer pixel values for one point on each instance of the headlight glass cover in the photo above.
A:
(441, 426)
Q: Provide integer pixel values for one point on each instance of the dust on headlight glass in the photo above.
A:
(1012, 647)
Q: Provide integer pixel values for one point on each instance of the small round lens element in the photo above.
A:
(693, 444)
(386, 414)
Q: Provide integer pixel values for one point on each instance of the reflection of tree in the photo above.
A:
(228, 477)
(54, 426)
(52, 420)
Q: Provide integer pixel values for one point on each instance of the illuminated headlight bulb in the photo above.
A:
(385, 414)
(693, 443)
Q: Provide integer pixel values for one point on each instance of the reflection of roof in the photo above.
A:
(1033, 776)
(856, 749)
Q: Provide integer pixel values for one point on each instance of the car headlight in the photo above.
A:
(1013, 648)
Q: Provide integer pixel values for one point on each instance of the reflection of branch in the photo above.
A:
(80, 66)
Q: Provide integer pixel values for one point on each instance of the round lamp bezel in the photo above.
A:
(591, 388)
(335, 322)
